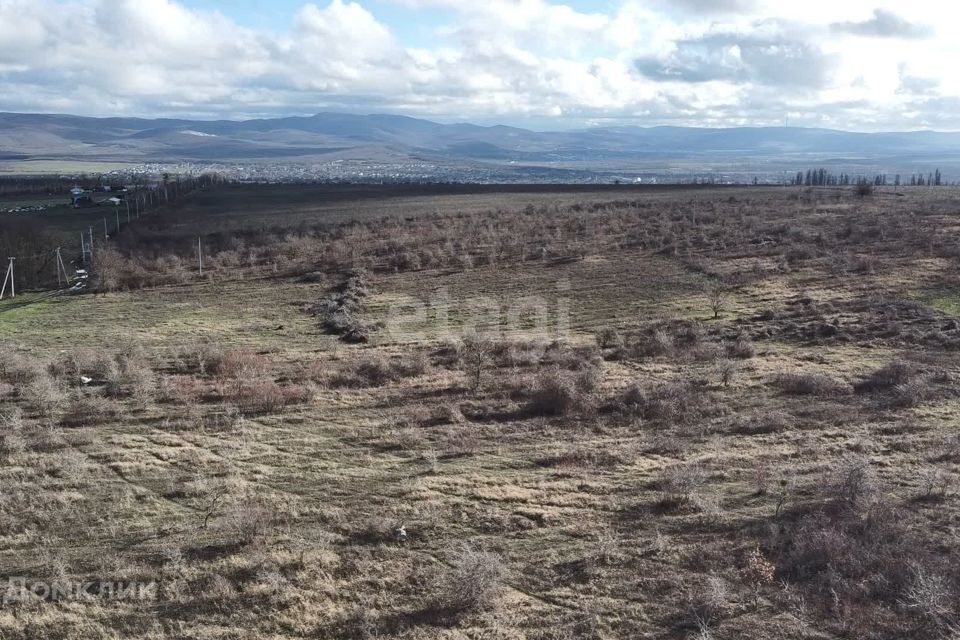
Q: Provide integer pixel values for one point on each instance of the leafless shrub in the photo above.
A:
(760, 422)
(935, 483)
(266, 396)
(853, 482)
(11, 419)
(704, 630)
(44, 395)
(910, 394)
(198, 357)
(809, 384)
(709, 602)
(741, 349)
(705, 352)
(563, 393)
(316, 371)
(853, 559)
(18, 368)
(375, 370)
(129, 377)
(929, 596)
(85, 411)
(726, 371)
(235, 364)
(865, 264)
(887, 377)
(472, 581)
(663, 443)
(446, 414)
(412, 365)
(476, 353)
(562, 355)
(74, 365)
(180, 389)
(371, 371)
(518, 353)
(11, 433)
(217, 591)
(680, 484)
(142, 383)
(687, 334)
(609, 338)
(230, 419)
(659, 343)
(250, 519)
(668, 404)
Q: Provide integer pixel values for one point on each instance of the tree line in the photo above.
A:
(824, 178)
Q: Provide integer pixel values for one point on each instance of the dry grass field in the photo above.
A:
(634, 413)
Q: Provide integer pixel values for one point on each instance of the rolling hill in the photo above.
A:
(377, 137)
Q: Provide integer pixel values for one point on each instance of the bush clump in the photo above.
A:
(267, 396)
(901, 382)
(887, 377)
(85, 411)
(762, 422)
(561, 393)
(44, 395)
(376, 370)
(472, 582)
(673, 403)
(741, 349)
(809, 384)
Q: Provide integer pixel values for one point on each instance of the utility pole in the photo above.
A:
(200, 254)
(106, 236)
(59, 282)
(83, 248)
(127, 202)
(116, 211)
(90, 246)
(6, 278)
(61, 266)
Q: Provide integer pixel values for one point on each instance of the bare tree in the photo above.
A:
(476, 354)
(718, 299)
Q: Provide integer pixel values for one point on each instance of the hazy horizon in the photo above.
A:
(480, 122)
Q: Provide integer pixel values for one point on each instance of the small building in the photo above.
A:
(81, 200)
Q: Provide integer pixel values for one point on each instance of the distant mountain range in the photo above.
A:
(390, 138)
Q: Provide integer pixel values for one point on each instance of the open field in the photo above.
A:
(58, 167)
(482, 413)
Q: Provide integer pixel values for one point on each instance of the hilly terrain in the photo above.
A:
(395, 139)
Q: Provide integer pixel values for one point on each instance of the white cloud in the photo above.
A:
(649, 61)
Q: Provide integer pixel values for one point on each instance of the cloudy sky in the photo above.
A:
(848, 64)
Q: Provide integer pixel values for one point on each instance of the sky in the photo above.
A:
(862, 65)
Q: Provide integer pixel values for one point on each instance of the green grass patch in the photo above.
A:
(944, 300)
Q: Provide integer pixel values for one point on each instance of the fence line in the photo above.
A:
(146, 202)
